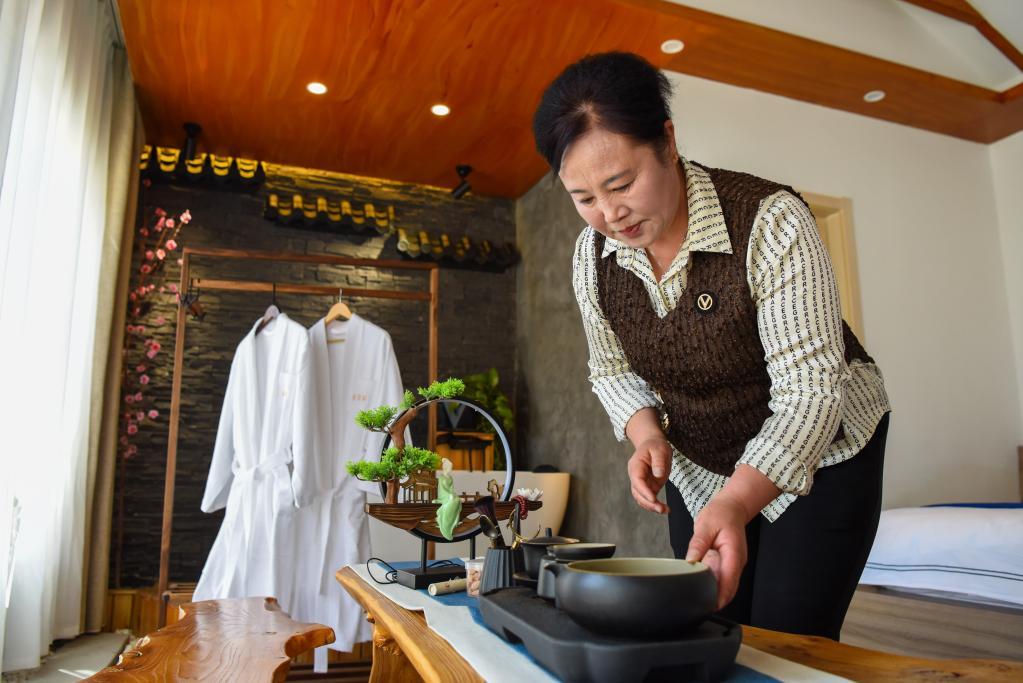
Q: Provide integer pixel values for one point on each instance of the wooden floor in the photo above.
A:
(343, 667)
(75, 659)
(890, 621)
(337, 673)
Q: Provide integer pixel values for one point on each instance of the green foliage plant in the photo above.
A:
(376, 419)
(449, 388)
(484, 389)
(395, 464)
(408, 401)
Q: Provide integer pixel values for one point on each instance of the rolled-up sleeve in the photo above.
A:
(800, 323)
(621, 391)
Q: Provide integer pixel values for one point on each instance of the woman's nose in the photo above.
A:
(614, 212)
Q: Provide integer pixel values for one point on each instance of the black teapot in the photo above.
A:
(635, 597)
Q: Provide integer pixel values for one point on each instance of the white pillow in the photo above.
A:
(964, 550)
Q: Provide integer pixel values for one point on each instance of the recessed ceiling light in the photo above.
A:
(316, 88)
(672, 47)
(874, 96)
(440, 109)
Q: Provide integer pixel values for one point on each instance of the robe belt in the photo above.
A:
(244, 487)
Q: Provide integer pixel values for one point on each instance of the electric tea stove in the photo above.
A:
(574, 653)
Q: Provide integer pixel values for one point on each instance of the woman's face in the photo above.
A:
(622, 188)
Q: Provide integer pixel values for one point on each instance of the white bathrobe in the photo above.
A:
(258, 439)
(359, 373)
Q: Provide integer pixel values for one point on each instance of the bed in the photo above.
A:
(943, 581)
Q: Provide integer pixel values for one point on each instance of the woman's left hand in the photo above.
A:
(719, 541)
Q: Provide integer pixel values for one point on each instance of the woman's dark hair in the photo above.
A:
(618, 91)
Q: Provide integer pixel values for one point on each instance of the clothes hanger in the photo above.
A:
(339, 311)
(190, 300)
(271, 312)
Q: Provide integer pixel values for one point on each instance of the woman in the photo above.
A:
(717, 347)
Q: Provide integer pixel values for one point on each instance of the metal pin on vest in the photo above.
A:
(706, 302)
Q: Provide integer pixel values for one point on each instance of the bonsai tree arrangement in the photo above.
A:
(443, 516)
(400, 460)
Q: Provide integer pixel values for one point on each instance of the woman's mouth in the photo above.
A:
(630, 231)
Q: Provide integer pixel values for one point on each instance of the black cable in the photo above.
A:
(443, 563)
(391, 575)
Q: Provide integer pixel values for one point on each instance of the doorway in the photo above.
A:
(834, 221)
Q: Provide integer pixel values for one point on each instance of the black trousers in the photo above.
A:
(802, 569)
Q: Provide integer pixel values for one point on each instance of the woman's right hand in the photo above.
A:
(648, 471)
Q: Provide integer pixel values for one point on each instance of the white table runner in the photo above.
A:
(497, 661)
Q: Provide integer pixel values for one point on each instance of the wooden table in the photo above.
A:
(406, 649)
(243, 640)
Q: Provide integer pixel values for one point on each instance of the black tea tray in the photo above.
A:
(575, 653)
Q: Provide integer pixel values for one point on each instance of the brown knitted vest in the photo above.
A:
(707, 367)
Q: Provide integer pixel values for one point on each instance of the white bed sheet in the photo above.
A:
(951, 552)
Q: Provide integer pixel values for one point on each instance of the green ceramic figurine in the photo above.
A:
(450, 505)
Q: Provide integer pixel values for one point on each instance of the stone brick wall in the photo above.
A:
(477, 330)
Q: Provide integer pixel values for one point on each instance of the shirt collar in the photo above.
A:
(707, 230)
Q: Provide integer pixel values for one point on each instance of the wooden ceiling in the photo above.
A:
(240, 67)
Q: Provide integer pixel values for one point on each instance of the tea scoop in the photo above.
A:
(492, 531)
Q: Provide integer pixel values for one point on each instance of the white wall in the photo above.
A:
(894, 31)
(932, 275)
(1007, 172)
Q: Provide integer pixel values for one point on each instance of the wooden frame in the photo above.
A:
(834, 221)
(430, 296)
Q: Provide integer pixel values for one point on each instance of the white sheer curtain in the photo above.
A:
(60, 74)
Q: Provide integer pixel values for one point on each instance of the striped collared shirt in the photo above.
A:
(791, 281)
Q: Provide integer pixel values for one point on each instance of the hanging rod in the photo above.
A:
(329, 290)
(320, 259)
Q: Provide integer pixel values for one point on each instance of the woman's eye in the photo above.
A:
(623, 188)
(586, 202)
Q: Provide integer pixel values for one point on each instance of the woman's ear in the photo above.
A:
(671, 146)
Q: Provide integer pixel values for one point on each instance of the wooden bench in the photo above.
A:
(244, 639)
